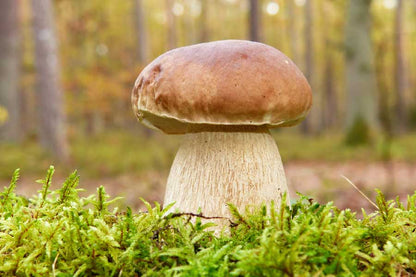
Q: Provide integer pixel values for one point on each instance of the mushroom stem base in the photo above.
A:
(212, 169)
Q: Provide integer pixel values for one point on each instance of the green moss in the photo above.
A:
(59, 233)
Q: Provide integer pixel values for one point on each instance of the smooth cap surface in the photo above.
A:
(231, 82)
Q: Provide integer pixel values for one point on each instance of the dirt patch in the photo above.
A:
(324, 181)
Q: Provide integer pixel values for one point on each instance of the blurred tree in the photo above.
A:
(143, 49)
(255, 21)
(99, 60)
(383, 40)
(399, 71)
(203, 22)
(171, 22)
(291, 30)
(382, 70)
(309, 55)
(330, 103)
(188, 31)
(330, 107)
(361, 105)
(385, 114)
(9, 69)
(99, 50)
(52, 129)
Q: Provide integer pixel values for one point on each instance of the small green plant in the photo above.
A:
(59, 233)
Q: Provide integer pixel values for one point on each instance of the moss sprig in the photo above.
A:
(60, 233)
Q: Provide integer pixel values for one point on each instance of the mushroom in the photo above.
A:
(224, 96)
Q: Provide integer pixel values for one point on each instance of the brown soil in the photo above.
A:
(322, 181)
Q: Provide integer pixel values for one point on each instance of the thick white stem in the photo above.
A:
(212, 169)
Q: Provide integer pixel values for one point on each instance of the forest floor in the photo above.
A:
(321, 180)
(132, 166)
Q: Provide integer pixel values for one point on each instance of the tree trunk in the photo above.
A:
(291, 30)
(9, 70)
(329, 103)
(171, 35)
(188, 29)
(385, 115)
(360, 77)
(382, 73)
(52, 129)
(254, 21)
(142, 45)
(329, 115)
(203, 23)
(400, 74)
(309, 55)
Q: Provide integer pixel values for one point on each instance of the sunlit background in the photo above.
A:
(358, 55)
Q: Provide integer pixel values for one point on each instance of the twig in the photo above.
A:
(362, 193)
(197, 215)
(54, 264)
(232, 224)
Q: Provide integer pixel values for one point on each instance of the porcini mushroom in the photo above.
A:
(224, 96)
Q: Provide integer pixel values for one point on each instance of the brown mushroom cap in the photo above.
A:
(231, 82)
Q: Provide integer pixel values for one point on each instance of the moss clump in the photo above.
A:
(59, 233)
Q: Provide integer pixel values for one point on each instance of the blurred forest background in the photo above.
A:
(67, 68)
